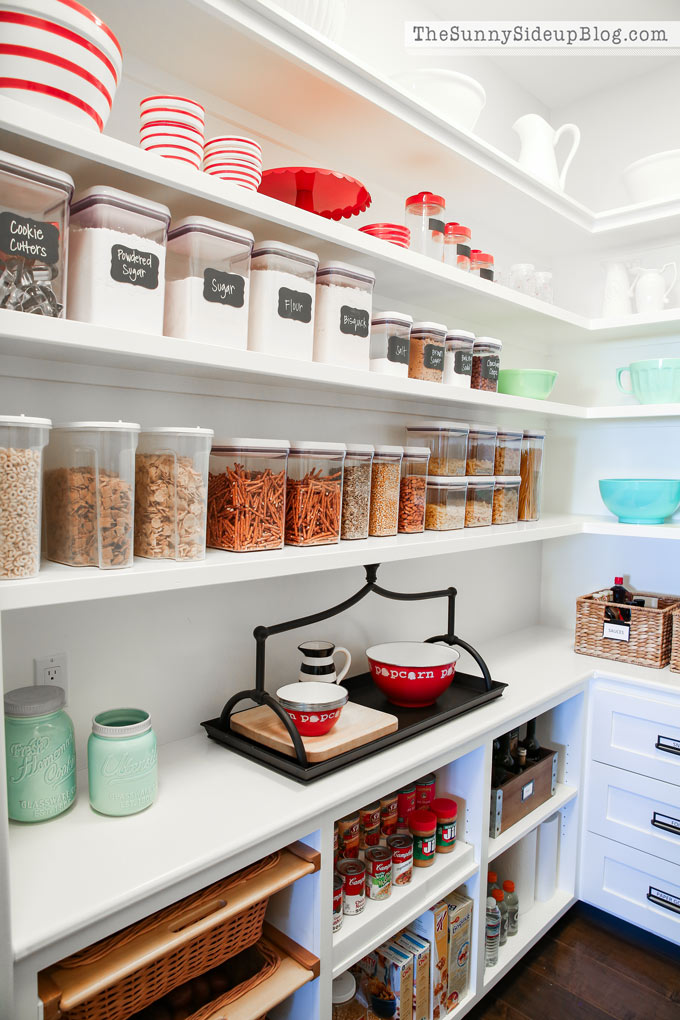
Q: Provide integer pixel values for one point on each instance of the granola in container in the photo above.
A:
(445, 510)
(447, 442)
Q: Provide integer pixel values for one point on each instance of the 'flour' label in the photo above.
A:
(129, 265)
(398, 350)
(433, 357)
(294, 304)
(462, 362)
(354, 321)
(223, 288)
(31, 239)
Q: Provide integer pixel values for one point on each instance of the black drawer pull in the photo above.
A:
(664, 899)
(668, 744)
(666, 822)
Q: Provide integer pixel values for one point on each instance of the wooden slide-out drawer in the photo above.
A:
(637, 732)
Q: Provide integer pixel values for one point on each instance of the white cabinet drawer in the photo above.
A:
(638, 732)
(635, 810)
(642, 889)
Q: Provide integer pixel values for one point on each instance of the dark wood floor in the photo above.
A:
(590, 966)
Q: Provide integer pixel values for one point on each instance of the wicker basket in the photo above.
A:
(675, 643)
(649, 637)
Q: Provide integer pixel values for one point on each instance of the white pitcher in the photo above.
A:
(318, 662)
(651, 292)
(617, 293)
(538, 143)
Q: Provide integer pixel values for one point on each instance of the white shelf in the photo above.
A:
(563, 795)
(532, 926)
(380, 919)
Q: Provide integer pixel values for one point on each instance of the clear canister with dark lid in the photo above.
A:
(508, 452)
(390, 343)
(356, 491)
(412, 489)
(447, 442)
(481, 450)
(486, 363)
(506, 499)
(531, 472)
(428, 347)
(479, 502)
(458, 358)
(247, 494)
(314, 493)
(445, 510)
(385, 476)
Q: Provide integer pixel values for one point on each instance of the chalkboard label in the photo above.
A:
(354, 321)
(294, 304)
(29, 239)
(668, 744)
(463, 249)
(436, 225)
(398, 350)
(129, 265)
(486, 274)
(223, 288)
(433, 357)
(490, 368)
(462, 362)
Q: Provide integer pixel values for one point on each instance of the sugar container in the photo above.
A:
(486, 362)
(426, 356)
(342, 323)
(506, 499)
(447, 442)
(445, 509)
(122, 762)
(385, 477)
(390, 343)
(356, 491)
(314, 493)
(531, 471)
(412, 489)
(282, 290)
(247, 494)
(425, 218)
(22, 441)
(457, 246)
(458, 358)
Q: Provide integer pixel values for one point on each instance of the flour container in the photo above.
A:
(282, 291)
(344, 301)
(22, 441)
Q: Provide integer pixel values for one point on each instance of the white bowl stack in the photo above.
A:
(173, 127)
(234, 159)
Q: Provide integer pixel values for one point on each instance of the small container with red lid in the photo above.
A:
(457, 246)
(423, 825)
(425, 218)
(446, 811)
(481, 263)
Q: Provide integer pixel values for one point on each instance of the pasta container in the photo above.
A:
(531, 471)
(481, 451)
(506, 499)
(22, 441)
(282, 290)
(479, 502)
(314, 493)
(342, 324)
(247, 494)
(445, 509)
(447, 442)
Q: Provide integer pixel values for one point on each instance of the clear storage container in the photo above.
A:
(356, 491)
(346, 1005)
(207, 282)
(34, 206)
(282, 287)
(116, 260)
(457, 246)
(247, 494)
(412, 489)
(426, 355)
(445, 509)
(385, 476)
(424, 217)
(486, 362)
(22, 441)
(481, 263)
(481, 450)
(390, 343)
(506, 500)
(479, 502)
(531, 471)
(90, 493)
(314, 493)
(171, 493)
(447, 442)
(458, 358)
(508, 452)
(342, 321)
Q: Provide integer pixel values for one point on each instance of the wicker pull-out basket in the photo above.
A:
(675, 642)
(644, 639)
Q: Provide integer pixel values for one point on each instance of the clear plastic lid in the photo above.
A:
(179, 430)
(304, 448)
(344, 269)
(489, 341)
(480, 481)
(37, 172)
(483, 430)
(360, 449)
(100, 426)
(20, 420)
(534, 434)
(507, 479)
(101, 195)
(447, 481)
(396, 318)
(251, 445)
(460, 334)
(344, 988)
(433, 427)
(429, 327)
(509, 433)
(279, 248)
(203, 225)
(416, 453)
(389, 451)
(41, 699)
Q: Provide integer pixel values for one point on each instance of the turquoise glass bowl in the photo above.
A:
(641, 500)
(656, 381)
(526, 382)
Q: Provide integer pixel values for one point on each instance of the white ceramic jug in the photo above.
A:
(617, 293)
(651, 292)
(538, 143)
(318, 662)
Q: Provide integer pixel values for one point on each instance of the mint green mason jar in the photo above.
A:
(121, 762)
(41, 753)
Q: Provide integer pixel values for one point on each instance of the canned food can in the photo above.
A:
(336, 844)
(354, 886)
(338, 896)
(369, 823)
(406, 804)
(378, 872)
(425, 789)
(401, 848)
(369, 838)
(348, 836)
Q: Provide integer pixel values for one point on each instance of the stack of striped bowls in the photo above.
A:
(395, 233)
(234, 159)
(173, 127)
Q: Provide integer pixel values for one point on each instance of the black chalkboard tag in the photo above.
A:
(462, 363)
(29, 239)
(294, 304)
(463, 249)
(354, 321)
(433, 357)
(436, 225)
(490, 368)
(486, 274)
(223, 288)
(129, 265)
(398, 349)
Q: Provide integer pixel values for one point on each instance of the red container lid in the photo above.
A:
(481, 256)
(457, 228)
(618, 580)
(492, 876)
(426, 198)
(422, 820)
(444, 807)
(497, 895)
(508, 885)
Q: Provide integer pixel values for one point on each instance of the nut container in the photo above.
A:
(247, 494)
(22, 441)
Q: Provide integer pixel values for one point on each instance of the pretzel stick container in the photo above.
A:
(314, 493)
(247, 494)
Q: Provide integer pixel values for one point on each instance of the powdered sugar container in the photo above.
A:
(21, 450)
(117, 260)
(344, 301)
(282, 291)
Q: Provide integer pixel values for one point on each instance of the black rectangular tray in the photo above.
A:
(466, 693)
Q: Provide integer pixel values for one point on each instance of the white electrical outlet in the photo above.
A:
(52, 670)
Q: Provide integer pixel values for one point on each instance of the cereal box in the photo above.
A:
(433, 926)
(385, 983)
(460, 933)
(420, 949)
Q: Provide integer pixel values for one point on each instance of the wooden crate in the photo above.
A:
(521, 794)
(644, 638)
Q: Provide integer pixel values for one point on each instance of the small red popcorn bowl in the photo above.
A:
(412, 674)
(313, 706)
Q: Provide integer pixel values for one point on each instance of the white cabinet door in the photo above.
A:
(637, 732)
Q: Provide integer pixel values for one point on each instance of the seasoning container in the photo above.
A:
(385, 473)
(506, 499)
(446, 811)
(406, 805)
(22, 441)
(427, 350)
(508, 452)
(458, 358)
(353, 874)
(342, 321)
(34, 209)
(378, 873)
(369, 826)
(531, 471)
(401, 847)
(171, 493)
(481, 263)
(356, 491)
(338, 897)
(282, 288)
(40, 753)
(388, 816)
(479, 502)
(424, 217)
(346, 1006)
(247, 494)
(445, 508)
(207, 282)
(116, 260)
(481, 451)
(412, 489)
(314, 493)
(348, 836)
(486, 363)
(89, 487)
(447, 442)
(457, 246)
(423, 826)
(390, 343)
(122, 762)
(425, 788)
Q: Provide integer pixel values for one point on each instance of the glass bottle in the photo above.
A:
(503, 907)
(533, 747)
(512, 903)
(507, 761)
(493, 932)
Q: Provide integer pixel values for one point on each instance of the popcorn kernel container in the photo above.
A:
(22, 441)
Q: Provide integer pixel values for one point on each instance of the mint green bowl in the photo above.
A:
(536, 383)
(641, 500)
(656, 381)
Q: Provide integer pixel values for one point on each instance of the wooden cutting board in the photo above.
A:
(357, 725)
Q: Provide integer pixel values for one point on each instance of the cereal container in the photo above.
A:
(90, 493)
(33, 236)
(171, 493)
(282, 287)
(314, 493)
(390, 343)
(506, 499)
(425, 218)
(508, 452)
(481, 452)
(457, 246)
(22, 441)
(458, 358)
(445, 510)
(479, 503)
(207, 282)
(447, 442)
(247, 494)
(342, 323)
(531, 471)
(412, 489)
(427, 350)
(486, 362)
(356, 491)
(385, 472)
(122, 762)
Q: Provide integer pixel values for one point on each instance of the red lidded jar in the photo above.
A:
(423, 826)
(457, 246)
(481, 263)
(446, 811)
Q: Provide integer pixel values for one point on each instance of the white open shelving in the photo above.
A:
(563, 795)
(532, 926)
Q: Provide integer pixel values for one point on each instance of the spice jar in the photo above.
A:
(425, 218)
(89, 487)
(247, 494)
(506, 499)
(342, 322)
(486, 363)
(33, 236)
(481, 263)
(447, 442)
(508, 452)
(412, 489)
(390, 343)
(458, 358)
(385, 473)
(40, 753)
(116, 260)
(479, 502)
(356, 491)
(346, 1006)
(446, 811)
(445, 509)
(457, 246)
(425, 788)
(171, 493)
(423, 825)
(314, 493)
(22, 441)
(427, 350)
(531, 470)
(378, 872)
(207, 282)
(282, 288)
(481, 451)
(122, 762)
(401, 846)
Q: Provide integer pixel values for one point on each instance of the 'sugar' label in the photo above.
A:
(129, 265)
(223, 288)
(354, 321)
(31, 239)
(397, 350)
(433, 357)
(294, 304)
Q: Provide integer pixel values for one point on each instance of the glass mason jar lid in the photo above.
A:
(417, 453)
(21, 421)
(41, 699)
(101, 195)
(395, 318)
(389, 451)
(345, 269)
(251, 445)
(121, 722)
(360, 449)
(426, 428)
(489, 341)
(448, 481)
(310, 258)
(460, 334)
(507, 479)
(429, 327)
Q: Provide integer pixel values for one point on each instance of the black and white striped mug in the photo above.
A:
(318, 662)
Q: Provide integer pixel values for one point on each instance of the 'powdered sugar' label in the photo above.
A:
(129, 265)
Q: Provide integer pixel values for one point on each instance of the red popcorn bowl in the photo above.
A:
(412, 674)
(314, 706)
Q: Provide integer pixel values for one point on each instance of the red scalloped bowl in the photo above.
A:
(412, 674)
(327, 193)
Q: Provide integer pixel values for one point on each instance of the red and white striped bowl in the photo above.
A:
(225, 171)
(180, 104)
(154, 142)
(160, 114)
(180, 156)
(243, 182)
(223, 143)
(231, 158)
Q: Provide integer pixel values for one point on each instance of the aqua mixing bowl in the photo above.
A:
(656, 381)
(641, 500)
(526, 382)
